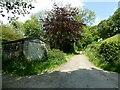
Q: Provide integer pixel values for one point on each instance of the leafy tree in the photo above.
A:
(114, 21)
(89, 35)
(87, 38)
(15, 8)
(103, 29)
(61, 28)
(18, 27)
(86, 16)
(8, 34)
(32, 28)
(111, 26)
(94, 32)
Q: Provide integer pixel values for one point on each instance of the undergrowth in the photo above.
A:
(92, 52)
(22, 67)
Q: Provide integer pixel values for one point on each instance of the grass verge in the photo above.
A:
(99, 61)
(69, 55)
(22, 67)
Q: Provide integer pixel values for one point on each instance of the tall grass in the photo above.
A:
(22, 67)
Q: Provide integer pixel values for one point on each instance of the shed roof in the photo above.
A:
(21, 40)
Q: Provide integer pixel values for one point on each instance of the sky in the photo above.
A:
(102, 8)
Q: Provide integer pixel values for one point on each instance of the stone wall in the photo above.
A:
(32, 49)
(12, 49)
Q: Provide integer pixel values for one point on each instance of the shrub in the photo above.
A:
(9, 34)
(79, 46)
(55, 55)
(20, 66)
(94, 46)
(86, 40)
(104, 55)
(109, 51)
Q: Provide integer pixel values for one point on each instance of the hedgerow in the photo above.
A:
(110, 51)
(104, 55)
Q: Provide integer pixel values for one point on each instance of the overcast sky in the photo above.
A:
(102, 8)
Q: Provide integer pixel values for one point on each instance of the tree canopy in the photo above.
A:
(9, 34)
(86, 16)
(111, 26)
(63, 25)
(32, 28)
(15, 8)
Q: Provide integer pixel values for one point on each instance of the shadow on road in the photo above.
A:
(81, 78)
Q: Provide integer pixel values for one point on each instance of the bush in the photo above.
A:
(56, 55)
(109, 50)
(86, 40)
(79, 45)
(22, 67)
(19, 66)
(9, 34)
(104, 55)
(94, 46)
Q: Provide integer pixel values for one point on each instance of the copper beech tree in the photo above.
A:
(61, 28)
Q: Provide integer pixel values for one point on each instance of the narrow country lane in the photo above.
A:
(78, 72)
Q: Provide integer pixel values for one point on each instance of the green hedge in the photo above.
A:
(56, 57)
(22, 67)
(56, 54)
(104, 55)
(109, 50)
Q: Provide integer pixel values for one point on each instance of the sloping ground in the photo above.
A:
(78, 72)
(113, 38)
